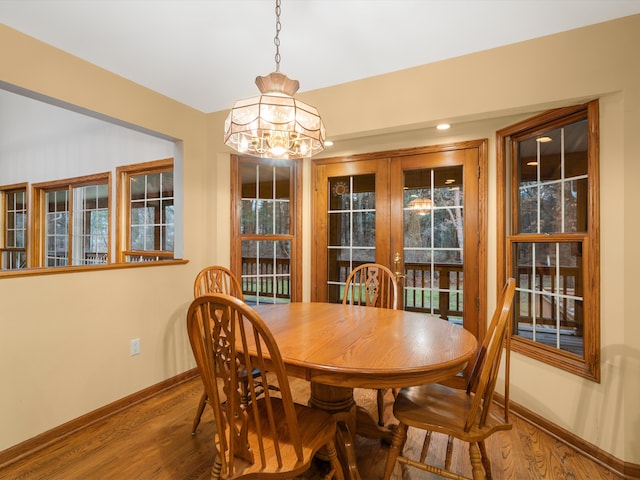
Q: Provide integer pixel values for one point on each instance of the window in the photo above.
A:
(59, 209)
(550, 232)
(14, 241)
(148, 210)
(266, 229)
(72, 219)
(73, 216)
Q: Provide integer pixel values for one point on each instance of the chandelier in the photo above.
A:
(421, 206)
(274, 124)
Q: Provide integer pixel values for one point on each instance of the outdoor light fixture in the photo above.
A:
(274, 124)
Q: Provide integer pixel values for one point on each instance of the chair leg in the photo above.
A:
(485, 459)
(380, 398)
(397, 445)
(244, 393)
(425, 446)
(199, 412)
(336, 467)
(449, 452)
(216, 470)
(477, 472)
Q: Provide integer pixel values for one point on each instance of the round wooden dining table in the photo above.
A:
(341, 347)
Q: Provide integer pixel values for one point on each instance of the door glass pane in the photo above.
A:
(364, 192)
(339, 196)
(549, 298)
(433, 220)
(351, 228)
(448, 231)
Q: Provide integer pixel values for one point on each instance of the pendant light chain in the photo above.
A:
(276, 40)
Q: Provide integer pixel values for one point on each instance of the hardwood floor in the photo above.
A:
(152, 441)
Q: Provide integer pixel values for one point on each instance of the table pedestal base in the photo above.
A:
(351, 419)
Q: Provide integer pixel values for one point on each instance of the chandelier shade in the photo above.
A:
(275, 124)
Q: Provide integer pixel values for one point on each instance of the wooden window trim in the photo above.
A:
(295, 221)
(588, 366)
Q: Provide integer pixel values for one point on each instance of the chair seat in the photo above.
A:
(443, 409)
(316, 429)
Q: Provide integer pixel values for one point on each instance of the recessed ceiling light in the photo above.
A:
(443, 126)
(543, 139)
(328, 143)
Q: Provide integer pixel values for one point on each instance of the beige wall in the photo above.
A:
(81, 357)
(64, 339)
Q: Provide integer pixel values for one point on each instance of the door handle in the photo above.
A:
(396, 260)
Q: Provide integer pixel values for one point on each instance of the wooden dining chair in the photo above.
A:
(462, 414)
(213, 279)
(268, 437)
(216, 279)
(372, 285)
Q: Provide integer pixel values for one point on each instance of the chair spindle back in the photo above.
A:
(487, 363)
(372, 285)
(222, 331)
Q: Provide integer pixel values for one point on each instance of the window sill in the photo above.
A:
(27, 272)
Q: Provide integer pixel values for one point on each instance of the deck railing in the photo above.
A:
(443, 298)
(559, 303)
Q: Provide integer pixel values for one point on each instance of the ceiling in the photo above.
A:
(207, 53)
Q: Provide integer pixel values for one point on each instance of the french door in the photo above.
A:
(421, 212)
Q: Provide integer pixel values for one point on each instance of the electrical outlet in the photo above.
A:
(135, 346)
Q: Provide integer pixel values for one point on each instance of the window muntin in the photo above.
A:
(552, 246)
(14, 247)
(266, 234)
